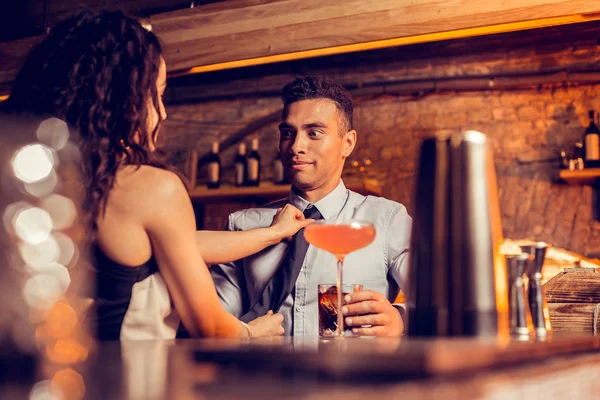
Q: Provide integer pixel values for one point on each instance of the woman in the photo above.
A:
(105, 76)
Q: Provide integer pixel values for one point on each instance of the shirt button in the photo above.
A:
(298, 308)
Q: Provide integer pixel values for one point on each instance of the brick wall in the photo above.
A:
(528, 127)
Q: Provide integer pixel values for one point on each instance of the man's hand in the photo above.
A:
(374, 309)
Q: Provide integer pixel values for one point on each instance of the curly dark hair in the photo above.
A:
(317, 87)
(96, 72)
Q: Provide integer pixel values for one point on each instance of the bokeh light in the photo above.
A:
(66, 351)
(33, 225)
(68, 251)
(61, 210)
(42, 291)
(70, 154)
(43, 391)
(70, 382)
(44, 235)
(10, 215)
(33, 163)
(43, 187)
(38, 256)
(61, 322)
(54, 133)
(60, 273)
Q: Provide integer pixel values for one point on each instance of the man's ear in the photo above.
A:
(349, 143)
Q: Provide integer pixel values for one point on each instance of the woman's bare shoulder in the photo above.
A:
(150, 185)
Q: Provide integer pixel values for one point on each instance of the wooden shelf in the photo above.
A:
(268, 190)
(582, 177)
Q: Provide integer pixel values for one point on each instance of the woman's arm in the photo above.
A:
(169, 221)
(219, 247)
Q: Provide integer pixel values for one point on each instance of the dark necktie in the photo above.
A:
(284, 279)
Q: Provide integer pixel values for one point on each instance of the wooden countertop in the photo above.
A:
(351, 368)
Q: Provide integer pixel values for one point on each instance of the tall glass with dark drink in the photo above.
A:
(328, 307)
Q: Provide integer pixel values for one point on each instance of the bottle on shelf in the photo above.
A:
(240, 166)
(213, 168)
(253, 165)
(591, 143)
(278, 174)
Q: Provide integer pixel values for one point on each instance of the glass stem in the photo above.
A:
(340, 316)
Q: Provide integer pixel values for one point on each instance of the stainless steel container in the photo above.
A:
(520, 317)
(457, 281)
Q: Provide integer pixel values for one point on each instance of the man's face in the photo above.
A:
(311, 147)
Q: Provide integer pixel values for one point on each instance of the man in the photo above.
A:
(316, 137)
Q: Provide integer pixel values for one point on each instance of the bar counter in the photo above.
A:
(561, 367)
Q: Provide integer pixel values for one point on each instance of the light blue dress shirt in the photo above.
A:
(382, 266)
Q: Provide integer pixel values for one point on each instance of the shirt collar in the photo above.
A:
(329, 206)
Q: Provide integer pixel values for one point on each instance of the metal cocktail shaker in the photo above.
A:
(429, 289)
(457, 277)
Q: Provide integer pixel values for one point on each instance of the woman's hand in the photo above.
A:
(287, 221)
(267, 325)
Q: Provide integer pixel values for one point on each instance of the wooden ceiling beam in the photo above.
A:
(239, 33)
(252, 32)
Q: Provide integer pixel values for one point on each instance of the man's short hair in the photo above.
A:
(316, 87)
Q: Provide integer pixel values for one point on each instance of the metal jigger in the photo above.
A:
(537, 300)
(520, 318)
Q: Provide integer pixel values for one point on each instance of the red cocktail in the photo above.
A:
(340, 238)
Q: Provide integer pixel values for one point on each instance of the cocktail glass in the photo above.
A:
(340, 239)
